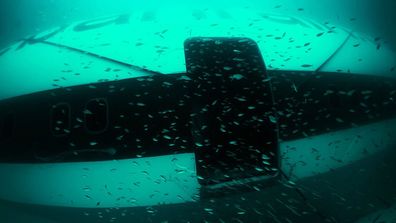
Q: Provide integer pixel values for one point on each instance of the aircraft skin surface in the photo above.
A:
(110, 115)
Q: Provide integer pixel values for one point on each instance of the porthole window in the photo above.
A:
(96, 115)
(7, 127)
(60, 119)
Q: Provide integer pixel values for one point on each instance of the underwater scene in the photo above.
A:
(249, 111)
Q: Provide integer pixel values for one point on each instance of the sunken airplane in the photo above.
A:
(158, 113)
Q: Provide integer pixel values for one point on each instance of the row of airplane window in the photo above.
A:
(95, 119)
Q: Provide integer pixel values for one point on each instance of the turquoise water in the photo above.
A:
(336, 158)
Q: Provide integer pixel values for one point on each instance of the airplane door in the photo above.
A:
(234, 128)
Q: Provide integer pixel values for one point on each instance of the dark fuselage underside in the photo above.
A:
(151, 116)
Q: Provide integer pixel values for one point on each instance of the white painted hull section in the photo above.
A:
(172, 179)
(286, 43)
(320, 154)
(117, 183)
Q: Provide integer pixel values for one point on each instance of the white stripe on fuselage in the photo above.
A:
(172, 179)
(319, 154)
(118, 183)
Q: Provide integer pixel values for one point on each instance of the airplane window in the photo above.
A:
(96, 115)
(60, 119)
(7, 127)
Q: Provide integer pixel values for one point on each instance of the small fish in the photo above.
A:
(233, 142)
(236, 77)
(208, 209)
(294, 87)
(339, 120)
(87, 112)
